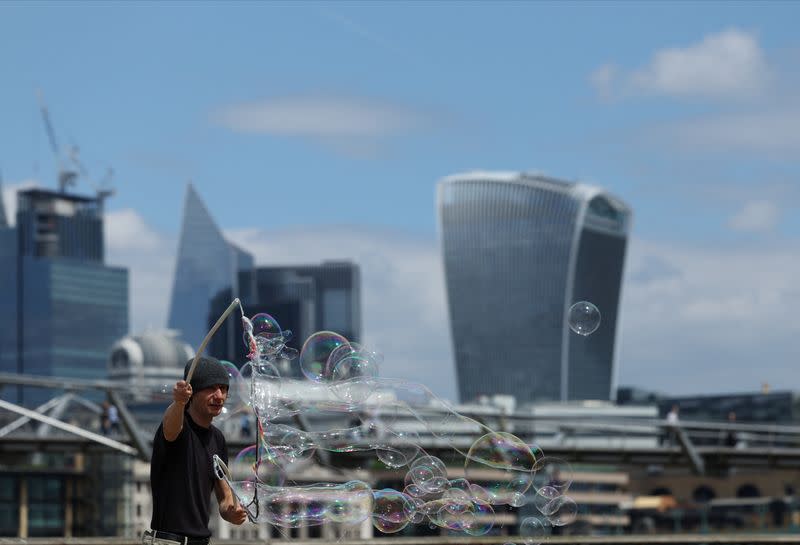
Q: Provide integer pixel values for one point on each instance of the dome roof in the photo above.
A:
(160, 349)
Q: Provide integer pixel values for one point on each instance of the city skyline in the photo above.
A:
(318, 131)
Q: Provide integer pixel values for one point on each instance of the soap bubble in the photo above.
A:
(315, 353)
(534, 530)
(506, 453)
(383, 415)
(392, 510)
(583, 318)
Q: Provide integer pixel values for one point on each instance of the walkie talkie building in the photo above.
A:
(518, 250)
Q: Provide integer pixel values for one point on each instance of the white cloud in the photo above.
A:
(718, 320)
(727, 64)
(403, 298)
(771, 133)
(320, 117)
(756, 216)
(150, 259)
(603, 79)
(126, 230)
(10, 197)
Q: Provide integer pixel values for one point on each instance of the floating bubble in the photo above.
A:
(265, 390)
(353, 377)
(284, 445)
(543, 500)
(343, 378)
(553, 472)
(392, 510)
(315, 353)
(354, 506)
(563, 511)
(243, 467)
(583, 318)
(430, 474)
(510, 458)
(534, 530)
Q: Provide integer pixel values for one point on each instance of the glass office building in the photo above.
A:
(518, 250)
(206, 265)
(62, 307)
(303, 298)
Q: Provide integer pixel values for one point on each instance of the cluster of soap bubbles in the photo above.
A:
(341, 377)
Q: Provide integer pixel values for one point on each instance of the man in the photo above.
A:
(182, 471)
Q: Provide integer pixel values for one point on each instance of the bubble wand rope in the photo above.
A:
(210, 334)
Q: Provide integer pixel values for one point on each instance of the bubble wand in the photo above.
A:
(210, 334)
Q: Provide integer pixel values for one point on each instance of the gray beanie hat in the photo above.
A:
(208, 372)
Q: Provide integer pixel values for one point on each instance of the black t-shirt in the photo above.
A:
(182, 478)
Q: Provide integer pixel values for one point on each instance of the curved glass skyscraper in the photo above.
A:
(518, 250)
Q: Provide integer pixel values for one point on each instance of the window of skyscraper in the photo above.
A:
(335, 310)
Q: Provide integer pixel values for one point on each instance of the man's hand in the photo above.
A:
(232, 511)
(181, 392)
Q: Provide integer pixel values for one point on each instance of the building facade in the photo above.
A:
(206, 264)
(518, 251)
(53, 272)
(303, 298)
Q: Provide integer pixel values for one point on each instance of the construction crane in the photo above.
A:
(69, 176)
(103, 188)
(66, 177)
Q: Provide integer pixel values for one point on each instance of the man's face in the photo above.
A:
(210, 400)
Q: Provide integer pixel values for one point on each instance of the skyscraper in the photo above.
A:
(62, 307)
(518, 250)
(302, 298)
(206, 265)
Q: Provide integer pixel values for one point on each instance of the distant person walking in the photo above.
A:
(113, 418)
(730, 438)
(671, 434)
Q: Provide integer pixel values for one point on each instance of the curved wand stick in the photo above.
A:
(210, 334)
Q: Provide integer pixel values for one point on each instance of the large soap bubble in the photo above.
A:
(315, 353)
(583, 318)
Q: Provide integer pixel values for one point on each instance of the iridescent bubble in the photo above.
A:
(553, 472)
(430, 474)
(506, 453)
(265, 326)
(583, 318)
(353, 377)
(243, 466)
(563, 511)
(419, 515)
(353, 506)
(533, 530)
(284, 445)
(543, 500)
(265, 389)
(518, 500)
(392, 510)
(316, 351)
(482, 520)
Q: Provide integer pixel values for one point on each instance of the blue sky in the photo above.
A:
(319, 130)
